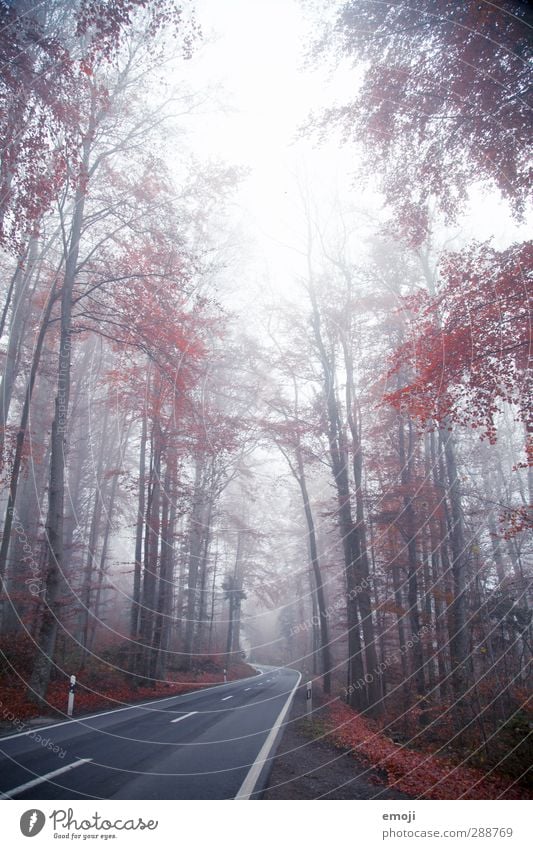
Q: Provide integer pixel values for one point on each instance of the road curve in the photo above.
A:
(213, 744)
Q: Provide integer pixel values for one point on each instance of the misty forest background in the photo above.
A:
(200, 466)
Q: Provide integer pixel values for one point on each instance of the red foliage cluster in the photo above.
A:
(443, 100)
(36, 73)
(469, 349)
(15, 708)
(107, 21)
(419, 774)
(48, 74)
(514, 521)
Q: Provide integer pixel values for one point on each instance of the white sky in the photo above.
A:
(256, 56)
(254, 51)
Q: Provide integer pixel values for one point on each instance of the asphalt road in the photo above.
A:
(214, 744)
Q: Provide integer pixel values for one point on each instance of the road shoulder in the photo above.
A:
(310, 768)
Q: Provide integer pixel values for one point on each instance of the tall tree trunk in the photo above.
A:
(357, 586)
(22, 282)
(151, 554)
(166, 574)
(213, 602)
(459, 638)
(410, 535)
(203, 569)
(94, 533)
(325, 652)
(109, 511)
(234, 590)
(439, 595)
(31, 495)
(11, 288)
(137, 570)
(195, 551)
(55, 567)
(181, 589)
(400, 616)
(21, 435)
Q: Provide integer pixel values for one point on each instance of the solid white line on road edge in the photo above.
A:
(226, 699)
(248, 785)
(29, 784)
(185, 715)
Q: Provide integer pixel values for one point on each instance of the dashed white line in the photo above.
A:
(185, 715)
(226, 698)
(246, 689)
(29, 784)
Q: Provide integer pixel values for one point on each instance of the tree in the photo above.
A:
(443, 101)
(468, 347)
(289, 434)
(442, 105)
(96, 113)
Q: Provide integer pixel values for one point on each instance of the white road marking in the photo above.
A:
(248, 785)
(226, 699)
(246, 689)
(29, 784)
(185, 715)
(83, 719)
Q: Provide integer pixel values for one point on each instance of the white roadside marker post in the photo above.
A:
(225, 676)
(70, 707)
(309, 700)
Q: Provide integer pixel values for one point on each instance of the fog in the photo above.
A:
(264, 357)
